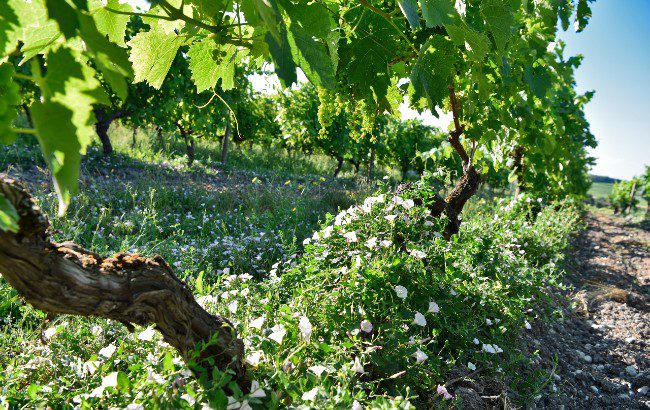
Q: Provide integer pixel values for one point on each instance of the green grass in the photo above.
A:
(236, 234)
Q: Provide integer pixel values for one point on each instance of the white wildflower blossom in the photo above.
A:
(366, 326)
(420, 356)
(418, 254)
(278, 333)
(310, 395)
(147, 334)
(419, 319)
(305, 328)
(371, 243)
(108, 351)
(317, 370)
(492, 348)
(357, 367)
(433, 307)
(471, 366)
(350, 236)
(254, 358)
(256, 390)
(401, 292)
(386, 243)
(257, 323)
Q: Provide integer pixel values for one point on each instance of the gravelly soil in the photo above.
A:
(603, 346)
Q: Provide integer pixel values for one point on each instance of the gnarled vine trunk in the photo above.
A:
(104, 121)
(64, 278)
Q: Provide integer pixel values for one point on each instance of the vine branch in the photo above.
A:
(454, 135)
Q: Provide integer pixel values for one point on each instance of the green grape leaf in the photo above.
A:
(583, 14)
(37, 32)
(152, 53)
(66, 16)
(9, 30)
(111, 59)
(163, 24)
(431, 73)
(8, 216)
(64, 120)
(207, 70)
(285, 68)
(312, 56)
(266, 9)
(538, 79)
(208, 8)
(478, 43)
(109, 23)
(365, 60)
(410, 10)
(313, 17)
(437, 13)
(61, 149)
(499, 19)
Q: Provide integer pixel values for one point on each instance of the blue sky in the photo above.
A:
(616, 50)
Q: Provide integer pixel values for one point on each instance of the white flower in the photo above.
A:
(471, 366)
(527, 325)
(390, 218)
(356, 406)
(420, 356)
(49, 333)
(442, 390)
(420, 320)
(305, 328)
(476, 341)
(278, 333)
(371, 243)
(366, 326)
(310, 395)
(488, 322)
(350, 236)
(110, 380)
(401, 291)
(232, 307)
(418, 254)
(257, 323)
(438, 235)
(256, 390)
(91, 366)
(433, 307)
(108, 351)
(492, 348)
(318, 369)
(357, 367)
(254, 358)
(386, 243)
(147, 334)
(96, 330)
(306, 241)
(408, 204)
(327, 232)
(453, 292)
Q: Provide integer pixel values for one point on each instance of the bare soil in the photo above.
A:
(602, 347)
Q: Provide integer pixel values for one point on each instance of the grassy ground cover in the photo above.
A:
(367, 307)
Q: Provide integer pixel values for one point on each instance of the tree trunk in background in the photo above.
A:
(518, 168)
(226, 142)
(632, 193)
(133, 137)
(356, 167)
(101, 126)
(371, 164)
(64, 278)
(189, 142)
(104, 121)
(339, 165)
(28, 114)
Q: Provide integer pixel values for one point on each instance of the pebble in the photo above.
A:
(557, 377)
(623, 396)
(594, 389)
(600, 367)
(587, 358)
(643, 391)
(631, 370)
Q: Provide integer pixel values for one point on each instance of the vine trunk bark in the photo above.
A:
(64, 278)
